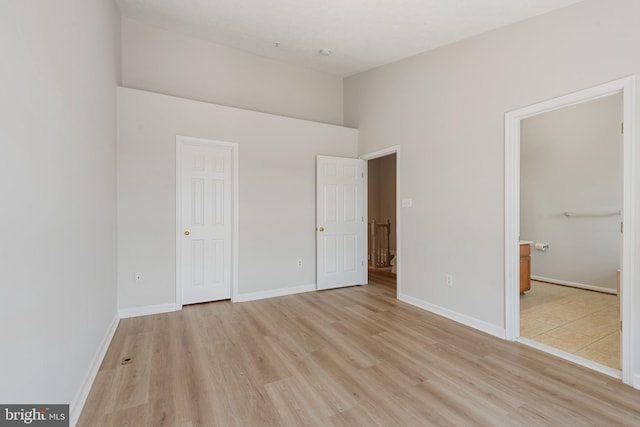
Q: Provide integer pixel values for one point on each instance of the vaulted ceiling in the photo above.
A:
(359, 34)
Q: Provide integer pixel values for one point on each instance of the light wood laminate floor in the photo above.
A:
(347, 357)
(581, 322)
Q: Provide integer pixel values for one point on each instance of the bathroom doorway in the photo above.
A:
(574, 216)
(570, 213)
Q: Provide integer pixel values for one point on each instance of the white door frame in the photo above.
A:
(630, 165)
(180, 140)
(395, 149)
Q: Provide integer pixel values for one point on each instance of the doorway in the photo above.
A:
(513, 124)
(383, 219)
(570, 205)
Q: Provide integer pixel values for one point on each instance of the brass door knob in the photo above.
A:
(187, 232)
(321, 229)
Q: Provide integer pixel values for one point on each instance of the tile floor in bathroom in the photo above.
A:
(585, 323)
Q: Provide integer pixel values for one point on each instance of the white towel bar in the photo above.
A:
(590, 214)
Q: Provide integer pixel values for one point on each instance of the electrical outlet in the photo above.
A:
(139, 277)
(449, 279)
(299, 263)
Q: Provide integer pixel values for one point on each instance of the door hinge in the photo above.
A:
(621, 326)
(362, 262)
(622, 226)
(622, 128)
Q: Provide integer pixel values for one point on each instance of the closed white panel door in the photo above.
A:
(205, 215)
(340, 226)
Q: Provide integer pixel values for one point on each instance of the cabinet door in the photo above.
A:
(525, 268)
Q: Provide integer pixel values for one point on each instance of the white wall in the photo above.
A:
(277, 191)
(60, 67)
(446, 108)
(381, 176)
(160, 61)
(570, 161)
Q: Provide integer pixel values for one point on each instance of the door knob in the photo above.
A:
(321, 229)
(187, 232)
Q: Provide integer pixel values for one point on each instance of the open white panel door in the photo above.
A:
(340, 222)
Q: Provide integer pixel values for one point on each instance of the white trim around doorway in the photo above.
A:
(631, 164)
(395, 149)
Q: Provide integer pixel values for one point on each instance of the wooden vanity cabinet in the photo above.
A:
(525, 267)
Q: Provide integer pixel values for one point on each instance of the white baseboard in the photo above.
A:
(575, 285)
(636, 381)
(146, 310)
(75, 408)
(252, 296)
(456, 317)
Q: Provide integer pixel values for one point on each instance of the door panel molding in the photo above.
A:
(181, 142)
(340, 222)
